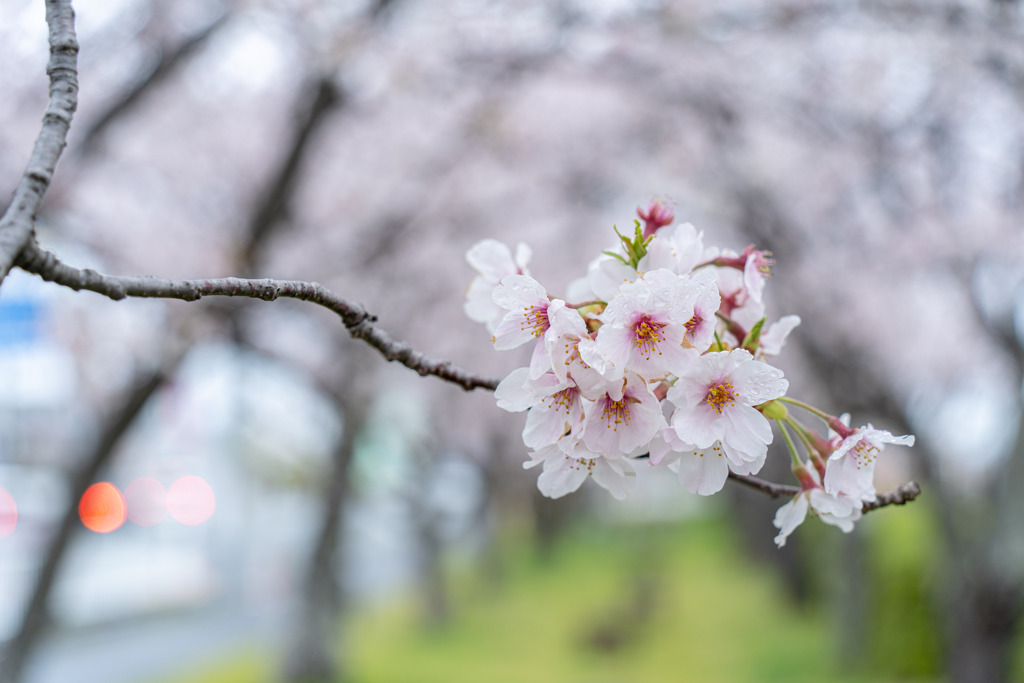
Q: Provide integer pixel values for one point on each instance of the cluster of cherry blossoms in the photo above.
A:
(660, 356)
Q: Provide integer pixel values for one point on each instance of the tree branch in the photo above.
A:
(18, 221)
(901, 495)
(355, 318)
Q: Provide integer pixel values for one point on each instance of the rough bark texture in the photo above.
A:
(19, 220)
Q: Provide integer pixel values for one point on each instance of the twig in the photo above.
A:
(18, 221)
(772, 489)
(356, 319)
(901, 495)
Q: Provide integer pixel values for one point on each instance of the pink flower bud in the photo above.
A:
(657, 216)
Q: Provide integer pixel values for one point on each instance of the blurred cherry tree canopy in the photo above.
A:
(875, 147)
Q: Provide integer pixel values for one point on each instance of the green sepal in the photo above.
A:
(753, 338)
(635, 248)
(773, 410)
(614, 255)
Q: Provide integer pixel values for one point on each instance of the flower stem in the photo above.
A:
(789, 442)
(595, 302)
(806, 406)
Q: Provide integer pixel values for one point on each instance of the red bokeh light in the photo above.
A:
(8, 513)
(102, 508)
(190, 500)
(146, 500)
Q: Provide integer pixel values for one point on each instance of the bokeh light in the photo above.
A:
(102, 508)
(190, 500)
(146, 500)
(8, 513)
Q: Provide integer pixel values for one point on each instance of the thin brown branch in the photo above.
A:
(358, 322)
(771, 489)
(901, 495)
(18, 221)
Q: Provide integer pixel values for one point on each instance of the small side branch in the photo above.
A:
(355, 318)
(900, 495)
(18, 221)
(771, 489)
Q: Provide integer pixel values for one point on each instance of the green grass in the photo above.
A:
(628, 604)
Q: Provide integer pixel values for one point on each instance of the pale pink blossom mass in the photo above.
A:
(662, 351)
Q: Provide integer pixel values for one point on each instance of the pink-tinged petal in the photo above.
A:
(512, 393)
(553, 416)
(697, 426)
(661, 451)
(744, 467)
(617, 425)
(516, 291)
(579, 290)
(678, 248)
(757, 382)
(590, 355)
(615, 475)
(523, 254)
(545, 427)
(700, 327)
(746, 430)
(789, 517)
(615, 345)
(607, 274)
(565, 321)
(540, 360)
(849, 477)
(562, 475)
(689, 391)
(838, 511)
(491, 259)
(703, 471)
(512, 332)
(479, 305)
(527, 305)
(775, 337)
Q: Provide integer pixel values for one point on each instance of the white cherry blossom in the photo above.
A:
(714, 403)
(835, 509)
(555, 405)
(623, 419)
(526, 302)
(644, 326)
(563, 340)
(850, 469)
(567, 464)
(492, 261)
(679, 248)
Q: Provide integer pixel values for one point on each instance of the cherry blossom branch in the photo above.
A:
(18, 221)
(355, 318)
(901, 495)
(771, 489)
